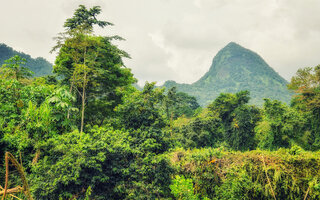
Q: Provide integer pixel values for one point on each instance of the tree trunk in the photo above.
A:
(83, 101)
(71, 86)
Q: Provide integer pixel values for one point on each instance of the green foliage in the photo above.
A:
(88, 193)
(115, 164)
(202, 130)
(30, 114)
(179, 103)
(228, 119)
(306, 84)
(238, 119)
(13, 67)
(182, 188)
(226, 103)
(15, 97)
(85, 19)
(73, 160)
(9, 100)
(241, 135)
(141, 110)
(62, 102)
(218, 174)
(237, 185)
(282, 126)
(170, 102)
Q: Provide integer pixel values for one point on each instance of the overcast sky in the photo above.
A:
(177, 39)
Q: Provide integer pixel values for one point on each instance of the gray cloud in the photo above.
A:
(177, 39)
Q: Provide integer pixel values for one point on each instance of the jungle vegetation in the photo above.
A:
(86, 132)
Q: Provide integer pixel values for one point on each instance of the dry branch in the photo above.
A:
(18, 166)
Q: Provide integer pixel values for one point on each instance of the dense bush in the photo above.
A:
(219, 174)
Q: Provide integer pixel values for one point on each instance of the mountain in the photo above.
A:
(233, 69)
(39, 66)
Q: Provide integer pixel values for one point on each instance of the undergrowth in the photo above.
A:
(220, 174)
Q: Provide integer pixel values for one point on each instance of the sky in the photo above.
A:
(176, 39)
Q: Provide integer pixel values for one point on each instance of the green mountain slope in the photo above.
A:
(39, 65)
(233, 69)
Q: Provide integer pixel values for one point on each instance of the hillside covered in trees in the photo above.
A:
(92, 135)
(233, 69)
(39, 66)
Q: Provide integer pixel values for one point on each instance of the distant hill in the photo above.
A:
(39, 66)
(233, 69)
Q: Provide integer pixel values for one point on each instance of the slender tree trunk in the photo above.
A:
(83, 100)
(71, 86)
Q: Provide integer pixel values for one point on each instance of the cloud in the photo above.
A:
(177, 39)
(149, 65)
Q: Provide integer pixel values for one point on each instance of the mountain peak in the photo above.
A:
(233, 44)
(236, 68)
(234, 48)
(234, 58)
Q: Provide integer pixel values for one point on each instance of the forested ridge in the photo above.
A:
(39, 66)
(86, 132)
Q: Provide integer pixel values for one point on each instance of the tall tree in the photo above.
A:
(91, 65)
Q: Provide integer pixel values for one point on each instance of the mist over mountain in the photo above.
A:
(39, 66)
(233, 69)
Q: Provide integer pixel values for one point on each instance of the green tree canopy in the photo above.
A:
(238, 119)
(306, 84)
(84, 19)
(92, 67)
(282, 126)
(142, 110)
